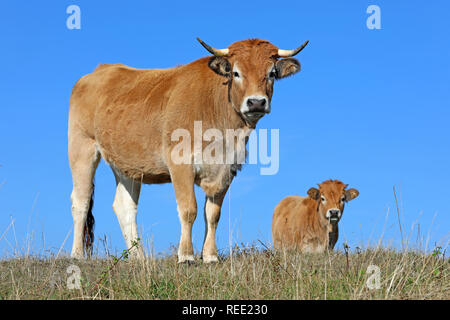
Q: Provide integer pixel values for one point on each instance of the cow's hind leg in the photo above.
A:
(125, 206)
(83, 160)
(183, 182)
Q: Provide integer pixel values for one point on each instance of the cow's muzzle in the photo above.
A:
(255, 108)
(258, 105)
(334, 215)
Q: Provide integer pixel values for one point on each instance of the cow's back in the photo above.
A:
(115, 106)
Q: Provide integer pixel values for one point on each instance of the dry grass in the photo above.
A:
(251, 274)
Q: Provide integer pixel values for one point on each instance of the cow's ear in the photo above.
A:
(220, 65)
(287, 67)
(314, 193)
(351, 194)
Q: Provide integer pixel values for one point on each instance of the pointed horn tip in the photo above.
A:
(291, 53)
(214, 51)
(306, 42)
(304, 45)
(203, 43)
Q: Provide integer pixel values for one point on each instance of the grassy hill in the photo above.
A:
(249, 274)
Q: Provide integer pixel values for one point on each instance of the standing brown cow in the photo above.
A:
(127, 116)
(310, 224)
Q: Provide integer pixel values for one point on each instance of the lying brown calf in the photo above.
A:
(310, 224)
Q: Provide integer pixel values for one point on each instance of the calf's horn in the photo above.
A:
(216, 52)
(291, 53)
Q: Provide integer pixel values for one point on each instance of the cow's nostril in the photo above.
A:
(256, 104)
(334, 212)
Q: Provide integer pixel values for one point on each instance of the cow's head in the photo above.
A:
(252, 66)
(331, 197)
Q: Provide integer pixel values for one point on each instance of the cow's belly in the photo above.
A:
(146, 167)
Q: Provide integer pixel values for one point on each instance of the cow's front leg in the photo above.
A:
(213, 206)
(183, 182)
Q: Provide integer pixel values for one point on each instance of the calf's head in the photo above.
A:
(331, 198)
(251, 67)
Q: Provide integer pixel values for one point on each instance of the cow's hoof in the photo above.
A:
(186, 259)
(77, 256)
(210, 259)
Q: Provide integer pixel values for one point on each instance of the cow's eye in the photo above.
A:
(236, 74)
(323, 199)
(272, 74)
(343, 199)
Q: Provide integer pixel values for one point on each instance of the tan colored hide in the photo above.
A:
(305, 223)
(127, 117)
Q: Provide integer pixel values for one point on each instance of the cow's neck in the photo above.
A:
(333, 235)
(320, 227)
(227, 114)
(230, 115)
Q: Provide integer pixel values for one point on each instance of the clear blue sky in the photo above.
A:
(370, 107)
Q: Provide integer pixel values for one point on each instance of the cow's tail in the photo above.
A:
(89, 227)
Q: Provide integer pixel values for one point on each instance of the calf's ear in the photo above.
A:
(287, 67)
(220, 65)
(314, 193)
(351, 194)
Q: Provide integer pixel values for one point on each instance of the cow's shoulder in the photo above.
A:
(114, 66)
(289, 206)
(294, 202)
(295, 209)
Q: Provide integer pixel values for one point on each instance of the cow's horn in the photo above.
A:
(291, 53)
(216, 52)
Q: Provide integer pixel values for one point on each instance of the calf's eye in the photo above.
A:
(236, 74)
